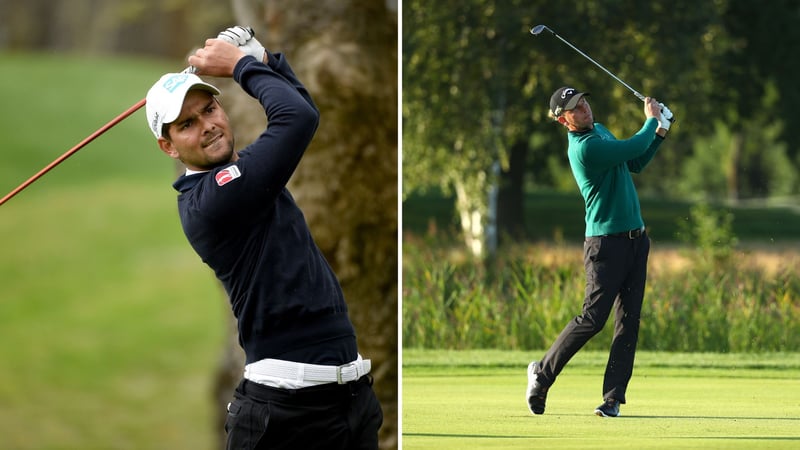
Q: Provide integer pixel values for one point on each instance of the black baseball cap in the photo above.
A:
(564, 99)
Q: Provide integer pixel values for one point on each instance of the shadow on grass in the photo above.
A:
(494, 436)
(741, 438)
(655, 417)
(473, 436)
(793, 419)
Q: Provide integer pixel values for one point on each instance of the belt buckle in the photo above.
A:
(339, 372)
(635, 234)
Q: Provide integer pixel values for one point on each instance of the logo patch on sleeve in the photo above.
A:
(227, 175)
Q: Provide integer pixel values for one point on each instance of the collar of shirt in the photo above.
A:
(192, 172)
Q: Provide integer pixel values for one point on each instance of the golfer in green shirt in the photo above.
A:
(616, 246)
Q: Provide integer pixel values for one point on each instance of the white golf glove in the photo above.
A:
(666, 118)
(244, 38)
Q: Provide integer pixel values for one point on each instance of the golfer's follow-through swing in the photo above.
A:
(616, 244)
(305, 385)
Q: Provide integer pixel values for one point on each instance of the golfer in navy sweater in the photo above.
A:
(304, 385)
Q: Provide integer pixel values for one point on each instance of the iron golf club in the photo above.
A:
(539, 28)
(80, 145)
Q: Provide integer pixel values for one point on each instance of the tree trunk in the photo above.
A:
(471, 216)
(510, 209)
(732, 170)
(345, 52)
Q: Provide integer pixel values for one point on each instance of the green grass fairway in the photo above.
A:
(476, 399)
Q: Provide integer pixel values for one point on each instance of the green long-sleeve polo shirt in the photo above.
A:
(602, 166)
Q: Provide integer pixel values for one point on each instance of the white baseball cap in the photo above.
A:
(165, 99)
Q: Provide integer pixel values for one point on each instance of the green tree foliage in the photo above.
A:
(752, 90)
(710, 236)
(762, 167)
(476, 87)
(455, 102)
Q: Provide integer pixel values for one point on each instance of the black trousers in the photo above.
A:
(330, 416)
(616, 271)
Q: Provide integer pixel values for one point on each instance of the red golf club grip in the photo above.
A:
(73, 150)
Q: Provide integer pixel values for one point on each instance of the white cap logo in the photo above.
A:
(172, 83)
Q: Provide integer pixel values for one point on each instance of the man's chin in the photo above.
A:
(221, 157)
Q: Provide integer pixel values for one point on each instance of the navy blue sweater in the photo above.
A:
(245, 225)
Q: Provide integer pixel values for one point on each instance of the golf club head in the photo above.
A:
(539, 28)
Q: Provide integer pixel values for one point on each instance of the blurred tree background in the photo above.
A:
(145, 27)
(476, 86)
(346, 54)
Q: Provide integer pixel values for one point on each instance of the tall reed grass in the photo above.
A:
(747, 302)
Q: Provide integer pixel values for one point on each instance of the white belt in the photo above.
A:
(314, 373)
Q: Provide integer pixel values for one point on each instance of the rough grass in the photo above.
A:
(524, 299)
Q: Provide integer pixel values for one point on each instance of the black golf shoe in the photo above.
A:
(609, 408)
(536, 393)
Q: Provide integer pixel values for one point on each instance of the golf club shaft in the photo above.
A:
(81, 144)
(73, 150)
(635, 92)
